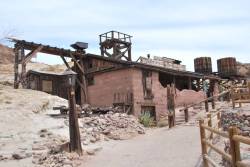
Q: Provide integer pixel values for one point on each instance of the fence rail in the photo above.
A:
(205, 101)
(234, 138)
(240, 94)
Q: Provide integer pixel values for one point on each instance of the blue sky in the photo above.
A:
(180, 29)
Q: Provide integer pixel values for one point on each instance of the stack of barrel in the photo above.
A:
(227, 67)
(203, 65)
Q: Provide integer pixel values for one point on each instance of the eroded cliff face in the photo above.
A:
(186, 97)
(243, 69)
(6, 55)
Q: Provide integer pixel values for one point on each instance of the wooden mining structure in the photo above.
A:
(113, 78)
(116, 45)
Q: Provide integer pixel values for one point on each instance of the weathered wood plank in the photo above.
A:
(30, 55)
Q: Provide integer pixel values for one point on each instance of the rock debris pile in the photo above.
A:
(242, 121)
(50, 151)
(117, 126)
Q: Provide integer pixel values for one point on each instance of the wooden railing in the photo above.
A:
(205, 101)
(214, 128)
(240, 94)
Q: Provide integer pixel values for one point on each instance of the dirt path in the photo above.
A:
(178, 147)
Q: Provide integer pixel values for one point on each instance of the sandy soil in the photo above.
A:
(179, 146)
(6, 54)
(22, 116)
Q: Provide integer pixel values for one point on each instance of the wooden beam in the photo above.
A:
(65, 62)
(46, 48)
(211, 161)
(83, 91)
(84, 97)
(79, 66)
(219, 151)
(31, 54)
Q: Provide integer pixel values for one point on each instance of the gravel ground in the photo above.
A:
(178, 147)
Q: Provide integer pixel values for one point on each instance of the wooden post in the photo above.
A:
(75, 142)
(234, 146)
(219, 120)
(23, 69)
(16, 77)
(170, 114)
(198, 85)
(171, 105)
(203, 145)
(189, 83)
(228, 96)
(129, 53)
(213, 101)
(209, 116)
(173, 101)
(186, 114)
(170, 120)
(232, 96)
(206, 106)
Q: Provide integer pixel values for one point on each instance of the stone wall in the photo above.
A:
(101, 93)
(159, 94)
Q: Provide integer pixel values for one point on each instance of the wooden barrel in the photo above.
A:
(203, 65)
(227, 67)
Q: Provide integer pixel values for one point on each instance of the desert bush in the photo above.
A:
(146, 119)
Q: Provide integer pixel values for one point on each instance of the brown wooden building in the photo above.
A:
(52, 83)
(106, 81)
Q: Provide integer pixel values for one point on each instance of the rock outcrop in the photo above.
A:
(6, 55)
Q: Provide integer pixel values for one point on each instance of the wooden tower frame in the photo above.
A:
(118, 43)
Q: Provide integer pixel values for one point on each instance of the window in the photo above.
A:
(147, 84)
(150, 110)
(90, 63)
(90, 80)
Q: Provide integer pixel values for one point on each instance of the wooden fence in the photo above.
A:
(240, 94)
(212, 124)
(205, 101)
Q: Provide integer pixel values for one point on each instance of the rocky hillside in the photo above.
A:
(6, 55)
(244, 69)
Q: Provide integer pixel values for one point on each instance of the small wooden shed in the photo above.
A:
(52, 83)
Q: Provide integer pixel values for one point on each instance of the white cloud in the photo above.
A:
(180, 29)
